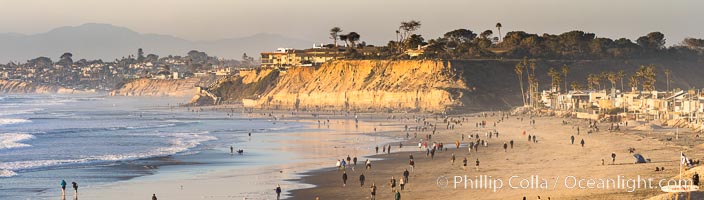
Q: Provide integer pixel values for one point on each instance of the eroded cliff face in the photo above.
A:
(154, 87)
(18, 87)
(349, 85)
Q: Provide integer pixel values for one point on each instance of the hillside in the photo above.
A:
(153, 87)
(18, 87)
(108, 42)
(422, 85)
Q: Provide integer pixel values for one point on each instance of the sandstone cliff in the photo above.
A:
(154, 87)
(349, 85)
(19, 87)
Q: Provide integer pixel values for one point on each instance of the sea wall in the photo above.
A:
(156, 87)
(19, 87)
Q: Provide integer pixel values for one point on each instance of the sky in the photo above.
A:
(375, 20)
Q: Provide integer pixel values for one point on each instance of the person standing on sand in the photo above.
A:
(75, 188)
(63, 187)
(529, 138)
(389, 150)
(377, 149)
(392, 183)
(402, 183)
(154, 197)
(354, 160)
(477, 164)
(372, 190)
(582, 142)
(344, 179)
(278, 191)
(397, 195)
(348, 160)
(505, 147)
(572, 139)
(412, 164)
(511, 142)
(613, 158)
(361, 180)
(368, 164)
(464, 164)
(405, 175)
(452, 160)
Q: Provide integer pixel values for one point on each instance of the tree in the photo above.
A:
(353, 37)
(621, 75)
(633, 82)
(407, 28)
(555, 76)
(667, 78)
(519, 72)
(414, 41)
(565, 69)
(486, 34)
(652, 42)
(66, 59)
(498, 26)
(140, 55)
(460, 35)
(345, 39)
(334, 35)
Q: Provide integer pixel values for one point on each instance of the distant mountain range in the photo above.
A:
(108, 42)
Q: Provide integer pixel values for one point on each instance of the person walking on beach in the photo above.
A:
(377, 149)
(464, 164)
(505, 147)
(402, 183)
(154, 197)
(511, 142)
(572, 139)
(344, 179)
(397, 195)
(361, 180)
(63, 187)
(613, 158)
(529, 137)
(368, 164)
(372, 190)
(477, 164)
(278, 191)
(582, 142)
(405, 175)
(389, 150)
(452, 160)
(412, 164)
(354, 160)
(392, 183)
(75, 188)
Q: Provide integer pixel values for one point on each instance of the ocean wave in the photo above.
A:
(6, 112)
(7, 173)
(181, 142)
(12, 140)
(6, 121)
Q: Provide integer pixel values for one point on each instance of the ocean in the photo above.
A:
(97, 140)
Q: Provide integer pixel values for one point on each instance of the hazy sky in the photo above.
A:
(375, 20)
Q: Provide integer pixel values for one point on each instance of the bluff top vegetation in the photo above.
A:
(573, 45)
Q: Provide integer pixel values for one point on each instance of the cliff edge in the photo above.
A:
(19, 87)
(155, 87)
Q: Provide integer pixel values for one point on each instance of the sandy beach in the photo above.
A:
(551, 168)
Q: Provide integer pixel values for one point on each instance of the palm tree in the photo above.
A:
(519, 72)
(633, 82)
(621, 75)
(353, 37)
(334, 35)
(667, 78)
(555, 76)
(565, 69)
(498, 26)
(612, 77)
